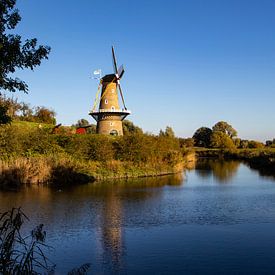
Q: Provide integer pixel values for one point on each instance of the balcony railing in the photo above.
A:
(111, 111)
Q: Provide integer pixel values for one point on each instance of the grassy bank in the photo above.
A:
(31, 155)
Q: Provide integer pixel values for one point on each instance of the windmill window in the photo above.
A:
(114, 133)
(111, 124)
(113, 108)
(106, 101)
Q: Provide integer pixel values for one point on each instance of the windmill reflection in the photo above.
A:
(115, 198)
(111, 232)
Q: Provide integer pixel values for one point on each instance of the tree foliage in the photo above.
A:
(23, 111)
(225, 128)
(4, 117)
(130, 128)
(15, 54)
(221, 140)
(169, 132)
(202, 137)
(44, 115)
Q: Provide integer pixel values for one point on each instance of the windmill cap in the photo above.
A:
(109, 78)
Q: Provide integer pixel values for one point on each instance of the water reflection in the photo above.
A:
(110, 229)
(223, 171)
(147, 224)
(263, 171)
(98, 207)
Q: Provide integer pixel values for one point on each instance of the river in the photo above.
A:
(218, 218)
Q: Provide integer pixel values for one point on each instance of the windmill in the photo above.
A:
(109, 115)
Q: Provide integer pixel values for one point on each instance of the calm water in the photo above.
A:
(216, 219)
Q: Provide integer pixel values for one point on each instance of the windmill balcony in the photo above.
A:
(111, 111)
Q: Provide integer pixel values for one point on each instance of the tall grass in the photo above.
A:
(21, 255)
(25, 255)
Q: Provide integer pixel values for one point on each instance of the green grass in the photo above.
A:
(31, 125)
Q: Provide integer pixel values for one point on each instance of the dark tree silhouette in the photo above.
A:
(15, 54)
(202, 137)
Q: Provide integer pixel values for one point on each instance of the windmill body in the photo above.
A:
(109, 115)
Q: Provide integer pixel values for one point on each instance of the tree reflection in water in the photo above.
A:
(222, 170)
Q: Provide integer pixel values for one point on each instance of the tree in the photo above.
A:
(244, 143)
(82, 123)
(12, 104)
(226, 128)
(169, 132)
(221, 140)
(130, 128)
(13, 53)
(4, 117)
(202, 137)
(255, 144)
(43, 114)
(26, 111)
(237, 142)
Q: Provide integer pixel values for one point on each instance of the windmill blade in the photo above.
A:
(114, 60)
(120, 71)
(121, 94)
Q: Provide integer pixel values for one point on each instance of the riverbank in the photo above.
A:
(65, 170)
(260, 159)
(35, 156)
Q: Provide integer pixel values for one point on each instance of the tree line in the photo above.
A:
(223, 136)
(11, 109)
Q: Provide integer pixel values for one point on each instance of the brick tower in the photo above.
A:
(109, 115)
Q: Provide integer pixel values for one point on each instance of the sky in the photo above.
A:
(188, 63)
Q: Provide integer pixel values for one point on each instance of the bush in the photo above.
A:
(255, 144)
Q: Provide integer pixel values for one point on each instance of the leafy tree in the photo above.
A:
(255, 144)
(26, 110)
(82, 123)
(13, 53)
(244, 143)
(221, 140)
(202, 137)
(226, 128)
(4, 117)
(43, 114)
(268, 143)
(169, 132)
(237, 142)
(130, 128)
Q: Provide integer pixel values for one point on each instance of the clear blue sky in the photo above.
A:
(189, 63)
